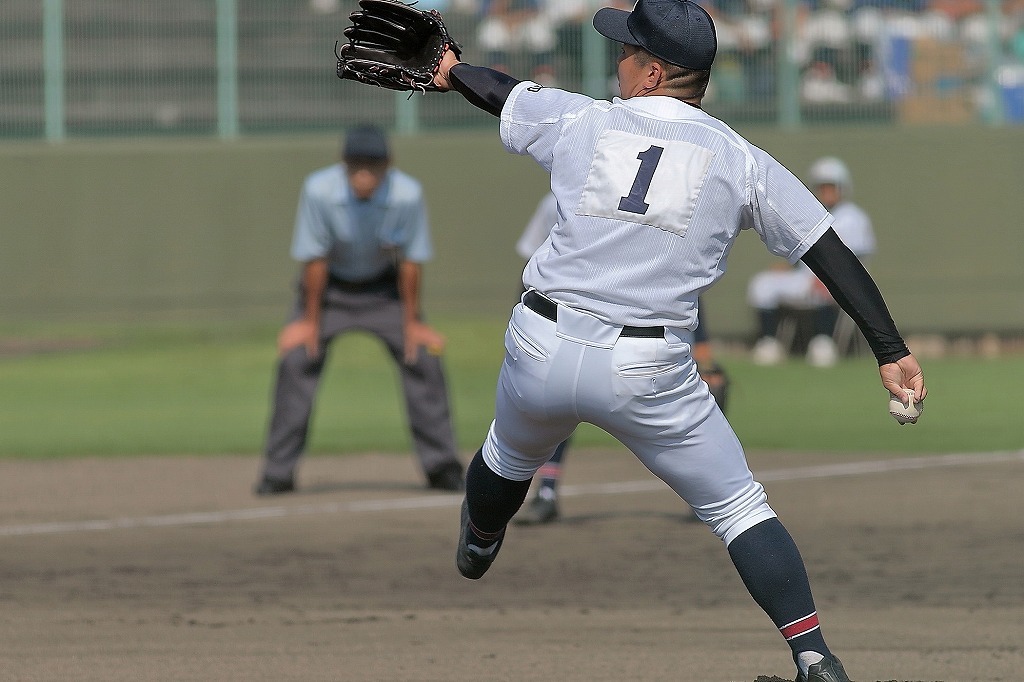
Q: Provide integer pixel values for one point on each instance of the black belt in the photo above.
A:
(545, 307)
(386, 280)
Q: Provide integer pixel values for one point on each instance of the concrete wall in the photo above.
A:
(184, 228)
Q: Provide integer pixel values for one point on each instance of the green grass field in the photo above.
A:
(185, 389)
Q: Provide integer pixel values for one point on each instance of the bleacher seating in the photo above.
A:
(149, 66)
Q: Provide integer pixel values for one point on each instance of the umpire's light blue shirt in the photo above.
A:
(361, 239)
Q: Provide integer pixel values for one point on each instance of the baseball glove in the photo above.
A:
(394, 45)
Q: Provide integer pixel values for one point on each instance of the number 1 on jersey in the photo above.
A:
(634, 203)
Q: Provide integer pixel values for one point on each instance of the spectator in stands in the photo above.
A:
(870, 81)
(797, 287)
(746, 61)
(957, 9)
(511, 28)
(838, 58)
(570, 18)
(820, 85)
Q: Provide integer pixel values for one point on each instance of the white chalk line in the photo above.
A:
(435, 501)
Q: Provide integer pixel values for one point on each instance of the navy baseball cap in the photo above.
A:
(366, 142)
(678, 31)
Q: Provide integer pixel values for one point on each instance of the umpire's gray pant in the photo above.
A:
(376, 310)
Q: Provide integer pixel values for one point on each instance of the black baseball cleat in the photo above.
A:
(450, 477)
(471, 564)
(274, 486)
(826, 670)
(540, 510)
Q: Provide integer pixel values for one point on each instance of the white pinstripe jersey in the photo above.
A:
(652, 194)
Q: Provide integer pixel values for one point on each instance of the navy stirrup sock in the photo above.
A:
(770, 565)
(492, 500)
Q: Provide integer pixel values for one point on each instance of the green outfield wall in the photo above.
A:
(180, 229)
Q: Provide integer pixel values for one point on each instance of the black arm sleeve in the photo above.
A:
(484, 88)
(853, 289)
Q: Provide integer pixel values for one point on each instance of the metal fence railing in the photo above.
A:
(227, 67)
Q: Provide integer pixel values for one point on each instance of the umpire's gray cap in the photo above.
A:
(678, 31)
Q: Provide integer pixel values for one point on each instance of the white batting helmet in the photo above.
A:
(831, 171)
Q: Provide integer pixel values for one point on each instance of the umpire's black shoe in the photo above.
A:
(540, 510)
(472, 564)
(274, 486)
(826, 670)
(450, 477)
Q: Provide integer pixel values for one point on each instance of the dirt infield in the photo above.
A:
(169, 569)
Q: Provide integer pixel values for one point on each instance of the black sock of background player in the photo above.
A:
(767, 322)
(770, 565)
(825, 320)
(492, 500)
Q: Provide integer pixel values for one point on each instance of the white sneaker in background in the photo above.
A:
(822, 351)
(768, 351)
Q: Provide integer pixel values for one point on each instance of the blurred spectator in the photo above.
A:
(1010, 75)
(825, 29)
(518, 28)
(834, 57)
(819, 85)
(746, 58)
(569, 18)
(1015, 14)
(903, 5)
(957, 9)
(848, 52)
(870, 81)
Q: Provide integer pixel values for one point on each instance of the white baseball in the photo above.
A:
(905, 412)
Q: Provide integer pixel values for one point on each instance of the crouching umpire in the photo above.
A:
(361, 234)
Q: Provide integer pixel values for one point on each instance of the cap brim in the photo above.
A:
(611, 23)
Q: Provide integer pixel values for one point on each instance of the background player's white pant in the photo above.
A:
(645, 392)
(797, 287)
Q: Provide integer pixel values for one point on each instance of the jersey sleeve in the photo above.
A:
(311, 238)
(534, 116)
(484, 88)
(785, 214)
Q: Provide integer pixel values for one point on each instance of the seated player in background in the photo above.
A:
(795, 286)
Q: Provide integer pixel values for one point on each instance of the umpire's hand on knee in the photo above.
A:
(299, 333)
(418, 334)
